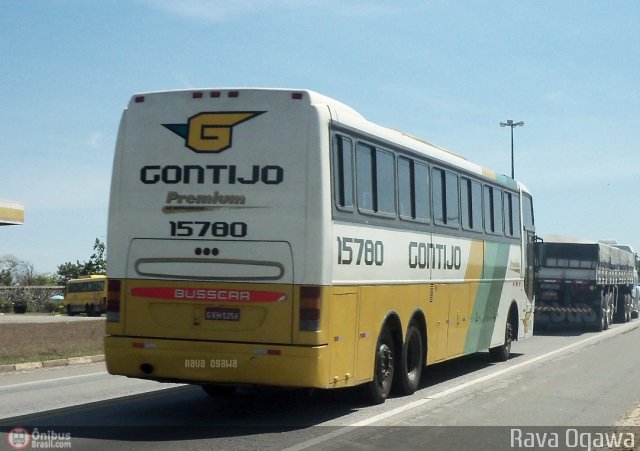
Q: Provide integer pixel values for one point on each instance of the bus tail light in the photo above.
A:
(310, 304)
(113, 300)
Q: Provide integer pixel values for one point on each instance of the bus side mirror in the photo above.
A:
(538, 252)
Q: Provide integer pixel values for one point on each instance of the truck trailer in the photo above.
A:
(583, 283)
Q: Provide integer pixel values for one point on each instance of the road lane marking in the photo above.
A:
(24, 384)
(444, 393)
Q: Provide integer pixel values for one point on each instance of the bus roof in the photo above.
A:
(84, 278)
(345, 115)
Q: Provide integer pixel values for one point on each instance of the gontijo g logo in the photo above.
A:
(210, 132)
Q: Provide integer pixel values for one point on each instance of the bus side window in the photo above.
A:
(422, 194)
(527, 212)
(413, 190)
(511, 215)
(385, 182)
(446, 195)
(493, 210)
(439, 206)
(375, 180)
(406, 188)
(471, 199)
(365, 177)
(497, 211)
(343, 172)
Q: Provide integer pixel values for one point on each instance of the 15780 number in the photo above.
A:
(357, 250)
(205, 228)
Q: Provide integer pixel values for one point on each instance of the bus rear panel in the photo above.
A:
(213, 208)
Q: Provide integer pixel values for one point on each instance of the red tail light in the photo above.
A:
(310, 304)
(113, 300)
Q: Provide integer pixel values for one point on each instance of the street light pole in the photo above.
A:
(511, 125)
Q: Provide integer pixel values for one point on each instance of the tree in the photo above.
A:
(67, 271)
(97, 264)
(16, 272)
(26, 292)
(6, 279)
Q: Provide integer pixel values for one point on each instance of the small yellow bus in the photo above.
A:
(87, 294)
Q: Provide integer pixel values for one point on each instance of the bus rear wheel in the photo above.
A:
(379, 388)
(410, 364)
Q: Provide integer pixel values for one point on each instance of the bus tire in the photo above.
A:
(378, 389)
(409, 365)
(501, 353)
(69, 310)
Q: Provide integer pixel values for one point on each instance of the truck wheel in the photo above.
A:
(600, 321)
(501, 353)
(621, 309)
(612, 312)
(410, 364)
(379, 388)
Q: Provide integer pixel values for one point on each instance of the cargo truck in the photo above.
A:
(583, 283)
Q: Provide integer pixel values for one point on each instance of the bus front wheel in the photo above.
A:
(379, 388)
(501, 353)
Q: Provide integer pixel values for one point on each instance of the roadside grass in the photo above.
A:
(33, 342)
(11, 359)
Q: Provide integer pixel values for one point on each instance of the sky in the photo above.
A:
(445, 71)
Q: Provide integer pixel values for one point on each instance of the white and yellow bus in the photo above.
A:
(87, 294)
(276, 237)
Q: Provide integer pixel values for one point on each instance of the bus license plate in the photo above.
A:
(222, 314)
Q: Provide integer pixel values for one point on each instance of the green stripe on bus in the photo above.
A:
(485, 307)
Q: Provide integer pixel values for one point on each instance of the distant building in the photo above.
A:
(11, 213)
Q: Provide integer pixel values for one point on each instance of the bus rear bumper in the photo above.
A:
(214, 362)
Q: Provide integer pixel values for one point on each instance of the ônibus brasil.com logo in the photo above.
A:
(20, 438)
